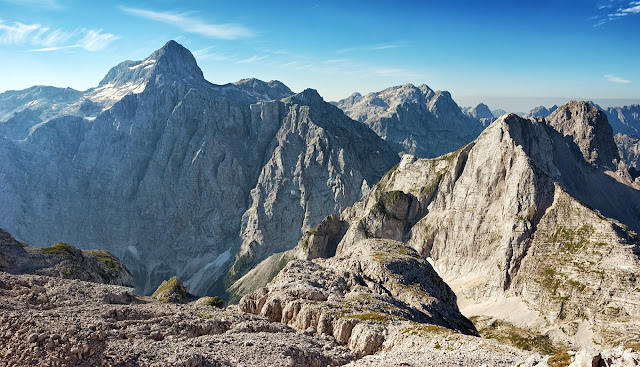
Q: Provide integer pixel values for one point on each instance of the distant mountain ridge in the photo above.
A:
(172, 173)
(415, 120)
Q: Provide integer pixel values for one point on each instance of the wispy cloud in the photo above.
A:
(57, 48)
(371, 47)
(47, 39)
(192, 24)
(386, 47)
(623, 9)
(253, 59)
(206, 54)
(616, 79)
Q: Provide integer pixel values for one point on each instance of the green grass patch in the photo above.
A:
(560, 359)
(515, 336)
(60, 249)
(105, 258)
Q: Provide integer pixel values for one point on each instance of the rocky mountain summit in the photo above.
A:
(176, 175)
(531, 216)
(522, 213)
(415, 120)
(62, 260)
(479, 112)
(541, 111)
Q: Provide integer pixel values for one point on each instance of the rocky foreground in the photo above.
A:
(61, 322)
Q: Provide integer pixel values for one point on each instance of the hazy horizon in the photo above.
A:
(500, 53)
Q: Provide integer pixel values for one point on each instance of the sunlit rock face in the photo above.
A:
(414, 120)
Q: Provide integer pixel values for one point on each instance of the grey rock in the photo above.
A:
(588, 127)
(481, 111)
(62, 260)
(541, 111)
(176, 175)
(629, 149)
(415, 120)
(625, 120)
(372, 282)
(173, 291)
(522, 212)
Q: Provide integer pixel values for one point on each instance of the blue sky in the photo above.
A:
(511, 54)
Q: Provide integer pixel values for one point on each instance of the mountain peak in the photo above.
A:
(589, 128)
(172, 59)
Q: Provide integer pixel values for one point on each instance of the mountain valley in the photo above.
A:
(392, 228)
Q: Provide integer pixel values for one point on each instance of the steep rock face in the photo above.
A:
(520, 212)
(414, 120)
(590, 130)
(629, 149)
(356, 294)
(159, 166)
(319, 163)
(625, 120)
(320, 242)
(62, 260)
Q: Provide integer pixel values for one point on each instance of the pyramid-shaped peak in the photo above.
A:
(590, 130)
(172, 60)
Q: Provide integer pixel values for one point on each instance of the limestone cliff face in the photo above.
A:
(159, 166)
(625, 119)
(415, 120)
(589, 129)
(318, 163)
(629, 149)
(521, 211)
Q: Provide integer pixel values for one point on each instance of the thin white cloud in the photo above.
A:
(371, 48)
(624, 9)
(95, 40)
(202, 52)
(46, 39)
(385, 47)
(616, 79)
(18, 33)
(57, 48)
(253, 59)
(191, 24)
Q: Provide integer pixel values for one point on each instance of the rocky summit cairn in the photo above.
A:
(173, 291)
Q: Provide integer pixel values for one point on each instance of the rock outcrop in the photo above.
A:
(320, 242)
(356, 295)
(62, 260)
(415, 120)
(587, 125)
(173, 291)
(522, 212)
(176, 175)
